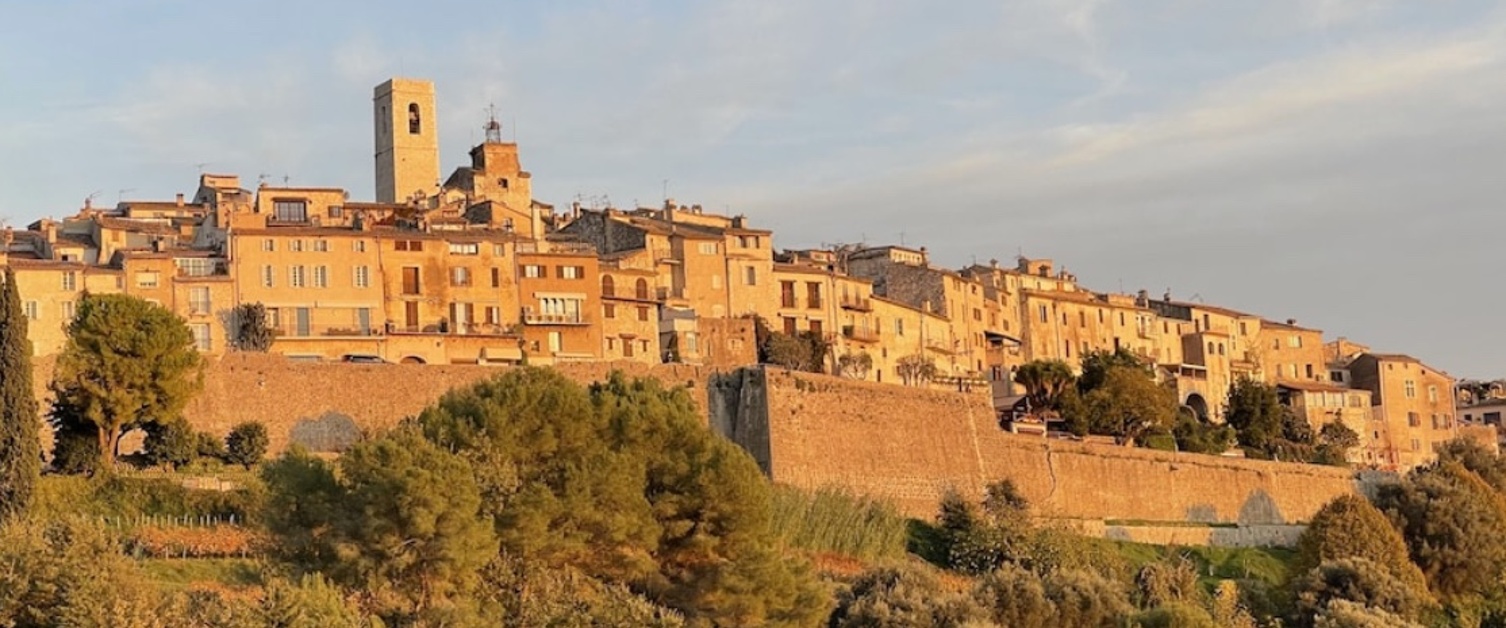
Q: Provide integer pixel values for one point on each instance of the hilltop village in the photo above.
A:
(471, 269)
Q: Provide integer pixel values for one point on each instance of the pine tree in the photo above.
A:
(20, 448)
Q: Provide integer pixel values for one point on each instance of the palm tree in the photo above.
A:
(1044, 381)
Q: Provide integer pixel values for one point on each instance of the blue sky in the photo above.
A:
(1333, 161)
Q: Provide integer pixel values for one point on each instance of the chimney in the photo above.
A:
(51, 229)
(88, 202)
(993, 263)
(1291, 321)
(180, 199)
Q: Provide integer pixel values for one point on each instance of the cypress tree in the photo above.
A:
(20, 447)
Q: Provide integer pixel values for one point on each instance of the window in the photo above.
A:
(336, 211)
(198, 300)
(266, 276)
(460, 276)
(899, 326)
(1411, 389)
(789, 326)
(290, 210)
(1069, 348)
(716, 282)
(750, 276)
(33, 311)
(533, 271)
(571, 272)
(1413, 420)
(640, 289)
(201, 336)
(977, 314)
(68, 311)
(296, 277)
(609, 310)
(269, 245)
(496, 277)
(1433, 394)
(321, 276)
(415, 122)
(493, 315)
(410, 280)
(362, 275)
(70, 280)
(359, 246)
(498, 250)
(643, 312)
(1043, 313)
(295, 246)
(1416, 446)
(707, 248)
(464, 248)
(321, 245)
(787, 294)
(148, 279)
(1295, 342)
(1275, 343)
(812, 295)
(608, 286)
(408, 245)
(1309, 371)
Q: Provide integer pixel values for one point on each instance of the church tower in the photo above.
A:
(407, 140)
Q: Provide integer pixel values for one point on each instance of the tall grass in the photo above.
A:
(834, 520)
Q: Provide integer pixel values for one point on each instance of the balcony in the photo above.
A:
(462, 329)
(857, 303)
(202, 267)
(941, 346)
(322, 331)
(860, 334)
(531, 317)
(666, 294)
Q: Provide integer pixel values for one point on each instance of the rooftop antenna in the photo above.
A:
(201, 165)
(285, 179)
(261, 179)
(120, 194)
(901, 238)
(492, 126)
(89, 200)
(666, 190)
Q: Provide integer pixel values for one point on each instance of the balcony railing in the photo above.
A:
(202, 268)
(860, 334)
(671, 293)
(531, 317)
(857, 303)
(321, 331)
(446, 328)
(939, 345)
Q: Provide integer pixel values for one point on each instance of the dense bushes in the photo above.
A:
(620, 483)
(833, 520)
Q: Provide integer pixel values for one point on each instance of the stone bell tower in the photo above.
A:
(407, 140)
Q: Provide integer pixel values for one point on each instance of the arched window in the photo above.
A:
(642, 288)
(415, 123)
(608, 288)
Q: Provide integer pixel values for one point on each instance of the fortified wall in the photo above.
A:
(325, 406)
(911, 445)
(905, 445)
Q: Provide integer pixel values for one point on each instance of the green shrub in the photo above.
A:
(901, 596)
(1347, 614)
(247, 444)
(1363, 582)
(1011, 596)
(170, 443)
(834, 520)
(1177, 615)
(126, 498)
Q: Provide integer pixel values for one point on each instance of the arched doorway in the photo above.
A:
(413, 359)
(1199, 406)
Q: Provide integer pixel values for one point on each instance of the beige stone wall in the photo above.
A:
(299, 400)
(910, 446)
